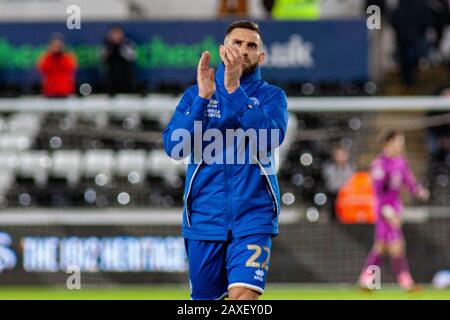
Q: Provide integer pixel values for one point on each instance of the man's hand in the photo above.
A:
(232, 59)
(205, 77)
(391, 217)
(423, 194)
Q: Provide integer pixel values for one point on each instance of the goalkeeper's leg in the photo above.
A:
(374, 258)
(400, 265)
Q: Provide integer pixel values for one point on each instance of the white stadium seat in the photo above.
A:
(14, 141)
(8, 160)
(96, 162)
(25, 123)
(159, 164)
(129, 161)
(66, 164)
(34, 164)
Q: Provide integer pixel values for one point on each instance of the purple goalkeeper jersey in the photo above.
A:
(389, 175)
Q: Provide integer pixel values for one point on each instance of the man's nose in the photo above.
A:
(243, 51)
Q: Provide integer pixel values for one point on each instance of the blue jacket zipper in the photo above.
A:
(229, 217)
(186, 201)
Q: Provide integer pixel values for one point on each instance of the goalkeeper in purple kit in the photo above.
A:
(390, 172)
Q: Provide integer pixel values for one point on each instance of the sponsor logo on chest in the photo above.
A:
(213, 110)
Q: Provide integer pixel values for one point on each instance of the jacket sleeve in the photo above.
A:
(190, 108)
(72, 62)
(408, 179)
(43, 64)
(272, 115)
(378, 176)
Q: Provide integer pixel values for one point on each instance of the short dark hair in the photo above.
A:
(337, 147)
(56, 36)
(116, 27)
(389, 134)
(244, 24)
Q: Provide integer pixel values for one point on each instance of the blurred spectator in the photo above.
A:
(234, 8)
(441, 18)
(411, 20)
(438, 141)
(119, 54)
(443, 130)
(439, 169)
(335, 174)
(57, 68)
(268, 7)
(442, 153)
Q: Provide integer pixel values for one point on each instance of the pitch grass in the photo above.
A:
(172, 292)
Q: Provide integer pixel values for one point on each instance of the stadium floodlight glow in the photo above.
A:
(354, 124)
(297, 179)
(288, 198)
(312, 214)
(90, 195)
(101, 179)
(123, 198)
(134, 177)
(85, 89)
(370, 87)
(320, 199)
(306, 159)
(307, 89)
(25, 199)
(55, 142)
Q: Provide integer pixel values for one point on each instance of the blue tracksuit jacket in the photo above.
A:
(219, 198)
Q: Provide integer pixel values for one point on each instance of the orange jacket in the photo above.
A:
(58, 74)
(356, 200)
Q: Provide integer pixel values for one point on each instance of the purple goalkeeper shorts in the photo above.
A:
(386, 233)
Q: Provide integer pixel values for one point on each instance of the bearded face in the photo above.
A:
(250, 46)
(249, 68)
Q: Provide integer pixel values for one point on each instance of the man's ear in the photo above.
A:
(222, 52)
(262, 58)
